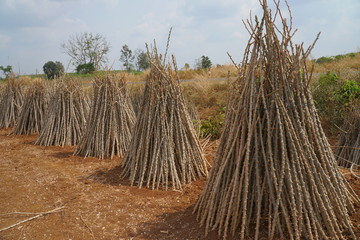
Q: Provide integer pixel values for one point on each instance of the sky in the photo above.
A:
(32, 31)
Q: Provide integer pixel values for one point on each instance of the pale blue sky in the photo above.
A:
(31, 31)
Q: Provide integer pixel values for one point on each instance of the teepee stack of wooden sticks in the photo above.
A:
(11, 102)
(164, 150)
(111, 120)
(66, 116)
(32, 114)
(275, 174)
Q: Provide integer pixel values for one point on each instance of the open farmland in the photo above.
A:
(91, 200)
(97, 205)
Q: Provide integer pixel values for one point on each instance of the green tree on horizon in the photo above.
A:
(127, 57)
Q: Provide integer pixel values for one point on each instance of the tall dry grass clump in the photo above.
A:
(164, 150)
(275, 174)
(11, 102)
(66, 116)
(208, 96)
(111, 120)
(32, 114)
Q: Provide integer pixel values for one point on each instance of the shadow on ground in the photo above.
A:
(177, 225)
(105, 176)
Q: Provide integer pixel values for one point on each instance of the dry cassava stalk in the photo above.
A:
(348, 150)
(164, 150)
(275, 174)
(111, 120)
(11, 102)
(136, 96)
(66, 116)
(32, 114)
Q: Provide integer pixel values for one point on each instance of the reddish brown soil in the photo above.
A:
(98, 205)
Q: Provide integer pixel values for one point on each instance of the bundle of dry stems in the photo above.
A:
(32, 114)
(348, 149)
(111, 120)
(66, 116)
(275, 174)
(164, 150)
(11, 102)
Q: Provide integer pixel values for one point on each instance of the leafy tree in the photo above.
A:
(85, 68)
(53, 69)
(186, 66)
(203, 63)
(87, 48)
(142, 61)
(6, 70)
(127, 58)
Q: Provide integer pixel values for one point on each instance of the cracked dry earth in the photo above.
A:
(97, 204)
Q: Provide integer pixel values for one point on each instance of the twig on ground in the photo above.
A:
(87, 226)
(32, 218)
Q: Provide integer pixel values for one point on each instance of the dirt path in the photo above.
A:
(98, 205)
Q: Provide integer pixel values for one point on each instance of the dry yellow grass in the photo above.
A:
(344, 64)
(222, 71)
(207, 96)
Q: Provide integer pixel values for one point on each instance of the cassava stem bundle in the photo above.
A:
(164, 149)
(66, 116)
(11, 102)
(32, 114)
(348, 149)
(111, 120)
(275, 174)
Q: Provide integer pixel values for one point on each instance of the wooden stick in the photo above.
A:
(32, 218)
(87, 226)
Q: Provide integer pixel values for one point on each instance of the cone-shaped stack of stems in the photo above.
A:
(275, 174)
(164, 150)
(66, 116)
(32, 114)
(136, 97)
(11, 102)
(111, 120)
(348, 151)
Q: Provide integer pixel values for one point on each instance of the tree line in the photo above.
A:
(88, 53)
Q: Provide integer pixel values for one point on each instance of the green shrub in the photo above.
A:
(333, 98)
(6, 71)
(337, 58)
(348, 92)
(328, 80)
(212, 126)
(53, 69)
(324, 60)
(351, 55)
(327, 102)
(85, 68)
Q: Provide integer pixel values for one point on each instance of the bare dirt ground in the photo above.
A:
(97, 204)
